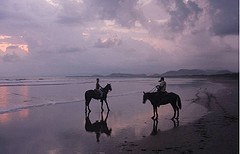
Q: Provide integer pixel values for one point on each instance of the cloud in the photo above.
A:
(124, 13)
(225, 17)
(97, 36)
(181, 14)
(72, 49)
(108, 42)
(71, 12)
(10, 57)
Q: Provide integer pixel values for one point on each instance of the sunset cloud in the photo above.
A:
(141, 36)
(4, 46)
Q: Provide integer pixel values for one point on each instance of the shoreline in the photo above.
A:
(216, 132)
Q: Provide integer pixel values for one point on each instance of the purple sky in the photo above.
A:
(79, 37)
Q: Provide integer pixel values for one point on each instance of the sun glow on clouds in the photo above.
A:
(2, 37)
(154, 42)
(5, 44)
(53, 3)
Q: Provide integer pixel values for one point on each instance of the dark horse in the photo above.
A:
(89, 94)
(99, 127)
(156, 101)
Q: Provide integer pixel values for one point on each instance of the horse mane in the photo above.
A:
(150, 93)
(106, 85)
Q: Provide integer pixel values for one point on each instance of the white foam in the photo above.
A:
(18, 108)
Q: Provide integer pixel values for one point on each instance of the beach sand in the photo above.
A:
(208, 123)
(217, 132)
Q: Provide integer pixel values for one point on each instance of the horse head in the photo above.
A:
(144, 97)
(109, 87)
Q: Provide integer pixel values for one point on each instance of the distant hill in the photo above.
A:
(195, 72)
(126, 75)
(178, 73)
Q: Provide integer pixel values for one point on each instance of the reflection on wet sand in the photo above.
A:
(4, 118)
(7, 99)
(155, 129)
(98, 127)
(4, 96)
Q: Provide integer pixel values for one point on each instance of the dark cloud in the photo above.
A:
(72, 50)
(124, 12)
(225, 16)
(181, 14)
(71, 12)
(10, 57)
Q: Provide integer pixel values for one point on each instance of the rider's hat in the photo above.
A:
(162, 78)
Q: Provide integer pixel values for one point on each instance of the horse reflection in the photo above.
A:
(155, 129)
(99, 127)
(175, 122)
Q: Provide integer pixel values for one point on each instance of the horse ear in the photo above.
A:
(143, 92)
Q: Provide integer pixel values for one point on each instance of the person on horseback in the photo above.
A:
(162, 85)
(99, 88)
(161, 88)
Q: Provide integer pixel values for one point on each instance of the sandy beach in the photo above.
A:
(208, 120)
(217, 132)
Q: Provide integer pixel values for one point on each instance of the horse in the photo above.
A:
(89, 94)
(99, 127)
(156, 101)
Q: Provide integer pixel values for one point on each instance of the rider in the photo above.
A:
(161, 88)
(99, 88)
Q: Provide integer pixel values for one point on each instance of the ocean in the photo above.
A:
(26, 93)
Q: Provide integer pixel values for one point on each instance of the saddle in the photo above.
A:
(97, 93)
(162, 94)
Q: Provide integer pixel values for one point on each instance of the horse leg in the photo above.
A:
(156, 112)
(174, 108)
(177, 114)
(174, 113)
(153, 113)
(102, 105)
(87, 108)
(107, 104)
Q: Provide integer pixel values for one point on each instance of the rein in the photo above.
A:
(153, 89)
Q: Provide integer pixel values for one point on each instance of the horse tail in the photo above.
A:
(179, 104)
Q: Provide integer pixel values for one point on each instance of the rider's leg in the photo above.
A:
(101, 93)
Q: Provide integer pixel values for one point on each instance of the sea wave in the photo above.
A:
(22, 107)
(41, 82)
(50, 103)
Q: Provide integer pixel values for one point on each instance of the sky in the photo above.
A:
(87, 37)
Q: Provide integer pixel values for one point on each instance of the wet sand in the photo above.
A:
(217, 132)
(208, 123)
